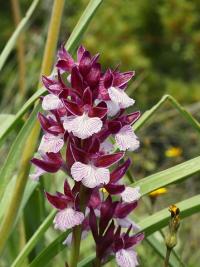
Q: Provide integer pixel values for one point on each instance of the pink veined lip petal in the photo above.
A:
(51, 143)
(67, 218)
(36, 175)
(113, 108)
(51, 102)
(131, 194)
(126, 139)
(82, 126)
(106, 147)
(126, 223)
(126, 258)
(90, 175)
(120, 97)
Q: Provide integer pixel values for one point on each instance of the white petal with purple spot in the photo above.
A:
(126, 258)
(120, 97)
(131, 194)
(82, 126)
(126, 139)
(51, 102)
(90, 175)
(51, 143)
(67, 218)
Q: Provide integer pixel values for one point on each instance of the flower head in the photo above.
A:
(86, 134)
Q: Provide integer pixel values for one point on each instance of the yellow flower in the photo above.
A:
(174, 210)
(158, 192)
(173, 152)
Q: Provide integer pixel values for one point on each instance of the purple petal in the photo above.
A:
(114, 126)
(73, 108)
(57, 201)
(87, 96)
(114, 189)
(94, 75)
(118, 173)
(93, 224)
(121, 79)
(80, 52)
(76, 80)
(108, 160)
(97, 112)
(85, 63)
(123, 209)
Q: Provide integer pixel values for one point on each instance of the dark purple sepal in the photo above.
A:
(114, 189)
(119, 172)
(123, 209)
(108, 160)
(59, 202)
(114, 126)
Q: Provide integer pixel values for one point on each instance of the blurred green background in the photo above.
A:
(158, 39)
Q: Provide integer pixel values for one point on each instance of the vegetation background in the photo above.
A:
(160, 40)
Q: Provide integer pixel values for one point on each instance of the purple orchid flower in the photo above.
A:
(84, 121)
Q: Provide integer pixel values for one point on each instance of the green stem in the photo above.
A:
(77, 231)
(168, 252)
(97, 262)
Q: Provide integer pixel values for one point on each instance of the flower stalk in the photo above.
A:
(171, 239)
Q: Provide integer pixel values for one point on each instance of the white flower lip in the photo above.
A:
(51, 102)
(119, 96)
(126, 258)
(90, 175)
(126, 139)
(51, 143)
(67, 218)
(82, 126)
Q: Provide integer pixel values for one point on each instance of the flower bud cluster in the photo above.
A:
(86, 134)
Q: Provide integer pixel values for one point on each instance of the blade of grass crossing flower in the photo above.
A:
(157, 221)
(71, 44)
(50, 252)
(172, 175)
(149, 113)
(13, 39)
(33, 240)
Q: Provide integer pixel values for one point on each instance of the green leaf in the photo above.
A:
(15, 152)
(33, 240)
(12, 41)
(82, 25)
(50, 251)
(149, 113)
(71, 44)
(5, 120)
(169, 176)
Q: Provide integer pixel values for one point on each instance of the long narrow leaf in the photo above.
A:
(71, 44)
(149, 113)
(12, 41)
(169, 176)
(34, 239)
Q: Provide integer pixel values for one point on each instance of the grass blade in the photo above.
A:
(50, 252)
(12, 41)
(172, 175)
(33, 240)
(149, 113)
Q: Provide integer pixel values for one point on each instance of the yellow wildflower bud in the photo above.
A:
(158, 192)
(173, 152)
